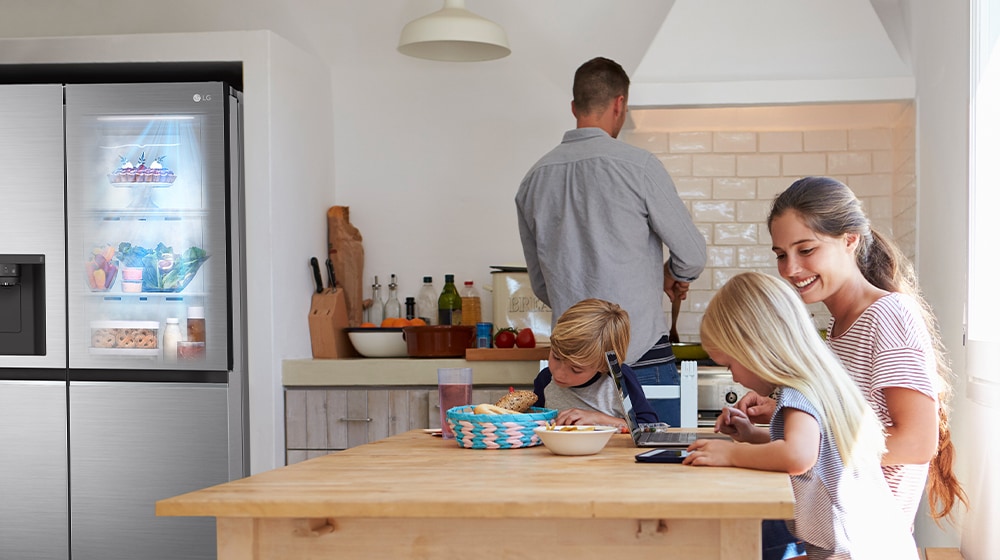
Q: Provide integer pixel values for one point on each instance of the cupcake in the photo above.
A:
(122, 174)
(160, 173)
(141, 171)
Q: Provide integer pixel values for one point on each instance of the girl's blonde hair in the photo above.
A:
(588, 329)
(759, 322)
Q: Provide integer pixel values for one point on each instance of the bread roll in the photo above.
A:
(519, 401)
(486, 408)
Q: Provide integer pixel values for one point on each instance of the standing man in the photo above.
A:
(594, 215)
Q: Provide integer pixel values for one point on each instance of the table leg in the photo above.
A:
(236, 538)
(740, 539)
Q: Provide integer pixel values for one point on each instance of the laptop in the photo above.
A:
(640, 435)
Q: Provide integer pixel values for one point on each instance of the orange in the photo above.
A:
(368, 325)
(417, 322)
(395, 322)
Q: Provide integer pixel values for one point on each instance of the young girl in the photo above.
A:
(822, 433)
(575, 383)
(880, 327)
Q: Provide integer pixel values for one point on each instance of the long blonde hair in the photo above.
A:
(588, 329)
(829, 207)
(758, 321)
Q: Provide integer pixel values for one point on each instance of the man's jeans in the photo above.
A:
(668, 410)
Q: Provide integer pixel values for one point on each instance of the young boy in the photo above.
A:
(576, 382)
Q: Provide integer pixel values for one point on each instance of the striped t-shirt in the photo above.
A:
(841, 513)
(889, 346)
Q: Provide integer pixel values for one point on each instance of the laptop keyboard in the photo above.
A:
(668, 437)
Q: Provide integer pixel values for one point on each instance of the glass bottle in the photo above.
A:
(171, 336)
(411, 308)
(450, 303)
(471, 306)
(378, 306)
(196, 324)
(427, 302)
(392, 307)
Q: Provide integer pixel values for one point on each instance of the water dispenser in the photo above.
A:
(22, 305)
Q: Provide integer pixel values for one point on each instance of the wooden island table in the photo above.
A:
(417, 496)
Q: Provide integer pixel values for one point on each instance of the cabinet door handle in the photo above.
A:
(355, 419)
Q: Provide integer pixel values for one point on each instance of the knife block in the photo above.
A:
(327, 321)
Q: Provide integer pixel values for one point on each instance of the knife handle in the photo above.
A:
(330, 274)
(316, 276)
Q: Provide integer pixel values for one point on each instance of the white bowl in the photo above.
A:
(377, 342)
(575, 440)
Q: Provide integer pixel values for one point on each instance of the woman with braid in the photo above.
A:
(881, 329)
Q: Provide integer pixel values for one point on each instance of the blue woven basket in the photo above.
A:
(497, 431)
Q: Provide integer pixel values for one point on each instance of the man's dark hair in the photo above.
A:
(597, 82)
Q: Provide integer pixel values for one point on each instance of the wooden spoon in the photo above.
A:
(675, 310)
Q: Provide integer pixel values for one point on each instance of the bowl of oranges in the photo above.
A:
(382, 341)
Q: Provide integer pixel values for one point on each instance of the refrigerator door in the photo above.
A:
(34, 512)
(33, 219)
(133, 444)
(147, 219)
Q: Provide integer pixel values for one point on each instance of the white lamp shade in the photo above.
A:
(453, 34)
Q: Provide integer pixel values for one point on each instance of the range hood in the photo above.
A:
(765, 52)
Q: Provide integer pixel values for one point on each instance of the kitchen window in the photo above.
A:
(983, 308)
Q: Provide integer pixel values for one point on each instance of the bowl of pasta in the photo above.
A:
(575, 440)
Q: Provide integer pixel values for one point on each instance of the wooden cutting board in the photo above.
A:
(511, 354)
(348, 256)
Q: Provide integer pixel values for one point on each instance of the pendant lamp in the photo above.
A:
(454, 34)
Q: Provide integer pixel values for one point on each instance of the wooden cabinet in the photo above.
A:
(322, 420)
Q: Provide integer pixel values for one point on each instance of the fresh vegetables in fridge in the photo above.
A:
(101, 268)
(163, 269)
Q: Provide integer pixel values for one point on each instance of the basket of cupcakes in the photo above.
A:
(507, 424)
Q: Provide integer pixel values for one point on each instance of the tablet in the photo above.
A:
(662, 455)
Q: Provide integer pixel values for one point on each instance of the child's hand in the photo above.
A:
(758, 407)
(735, 424)
(576, 416)
(710, 453)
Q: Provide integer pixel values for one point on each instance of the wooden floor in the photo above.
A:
(942, 554)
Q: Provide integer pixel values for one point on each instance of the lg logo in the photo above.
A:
(198, 98)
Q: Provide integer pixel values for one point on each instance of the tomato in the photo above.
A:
(525, 338)
(505, 338)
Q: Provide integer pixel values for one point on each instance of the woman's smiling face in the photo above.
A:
(816, 265)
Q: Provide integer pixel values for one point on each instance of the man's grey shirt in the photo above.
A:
(594, 214)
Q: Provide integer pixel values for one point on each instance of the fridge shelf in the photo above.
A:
(147, 214)
(140, 184)
(133, 352)
(142, 296)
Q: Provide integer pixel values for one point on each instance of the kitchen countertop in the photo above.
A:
(368, 372)
(402, 371)
(498, 503)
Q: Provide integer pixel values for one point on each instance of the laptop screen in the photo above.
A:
(615, 370)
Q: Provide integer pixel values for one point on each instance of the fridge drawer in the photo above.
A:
(34, 515)
(125, 338)
(132, 444)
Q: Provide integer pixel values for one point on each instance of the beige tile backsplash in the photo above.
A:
(728, 178)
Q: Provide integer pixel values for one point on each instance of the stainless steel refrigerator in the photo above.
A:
(122, 315)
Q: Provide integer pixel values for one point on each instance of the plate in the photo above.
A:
(141, 184)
